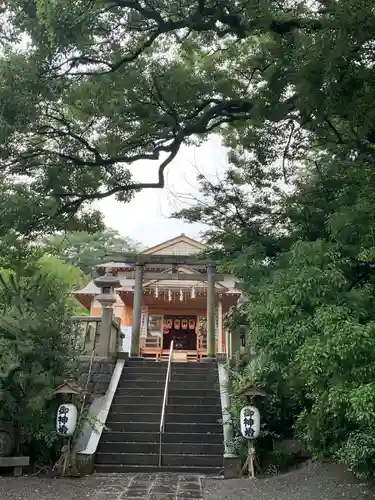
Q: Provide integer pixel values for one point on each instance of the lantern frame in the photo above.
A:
(250, 422)
(66, 413)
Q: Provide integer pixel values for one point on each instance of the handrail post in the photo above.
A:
(165, 400)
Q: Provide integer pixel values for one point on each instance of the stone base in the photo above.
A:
(208, 360)
(136, 358)
(232, 467)
(123, 355)
(221, 357)
(16, 462)
(100, 376)
(85, 464)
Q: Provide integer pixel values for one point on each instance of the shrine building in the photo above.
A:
(169, 292)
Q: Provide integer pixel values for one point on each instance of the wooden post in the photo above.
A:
(137, 310)
(211, 340)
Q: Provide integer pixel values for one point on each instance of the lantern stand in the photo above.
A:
(251, 461)
(107, 346)
(67, 419)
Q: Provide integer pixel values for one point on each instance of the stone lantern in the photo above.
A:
(107, 298)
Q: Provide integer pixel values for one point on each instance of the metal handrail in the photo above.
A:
(165, 400)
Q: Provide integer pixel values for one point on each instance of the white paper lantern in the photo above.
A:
(250, 422)
(66, 420)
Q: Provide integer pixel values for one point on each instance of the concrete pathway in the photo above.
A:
(150, 487)
(312, 482)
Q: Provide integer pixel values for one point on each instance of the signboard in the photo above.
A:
(127, 340)
(144, 321)
(250, 422)
(217, 321)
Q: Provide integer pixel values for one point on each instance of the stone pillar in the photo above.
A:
(227, 344)
(105, 329)
(115, 343)
(106, 298)
(137, 310)
(220, 321)
(211, 341)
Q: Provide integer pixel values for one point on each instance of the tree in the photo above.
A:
(86, 250)
(25, 216)
(37, 352)
(276, 80)
(308, 269)
(68, 275)
(290, 87)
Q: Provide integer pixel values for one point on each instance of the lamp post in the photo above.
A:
(107, 298)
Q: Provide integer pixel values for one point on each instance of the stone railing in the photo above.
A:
(89, 335)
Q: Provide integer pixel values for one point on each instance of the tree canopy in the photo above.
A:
(307, 263)
(85, 250)
(90, 88)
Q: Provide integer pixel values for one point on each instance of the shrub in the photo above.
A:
(36, 353)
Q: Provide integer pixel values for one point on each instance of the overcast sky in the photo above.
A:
(145, 219)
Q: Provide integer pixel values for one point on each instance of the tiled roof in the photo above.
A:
(115, 265)
(92, 289)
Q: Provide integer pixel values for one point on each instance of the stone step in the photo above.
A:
(121, 469)
(205, 384)
(153, 459)
(192, 367)
(151, 427)
(137, 400)
(148, 368)
(187, 418)
(149, 437)
(136, 408)
(183, 418)
(194, 400)
(194, 408)
(174, 384)
(163, 365)
(194, 427)
(155, 377)
(167, 448)
(141, 384)
(194, 377)
(155, 408)
(131, 392)
(193, 460)
(181, 437)
(145, 399)
(158, 391)
(176, 368)
(132, 417)
(176, 377)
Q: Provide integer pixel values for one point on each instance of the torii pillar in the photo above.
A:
(137, 311)
(211, 308)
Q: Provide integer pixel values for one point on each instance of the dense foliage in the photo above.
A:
(92, 87)
(86, 250)
(37, 352)
(308, 267)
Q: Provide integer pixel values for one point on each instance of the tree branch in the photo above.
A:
(221, 19)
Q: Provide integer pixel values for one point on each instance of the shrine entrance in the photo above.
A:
(182, 330)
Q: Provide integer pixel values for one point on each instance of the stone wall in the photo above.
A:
(101, 373)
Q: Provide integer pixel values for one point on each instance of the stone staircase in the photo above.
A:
(193, 437)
